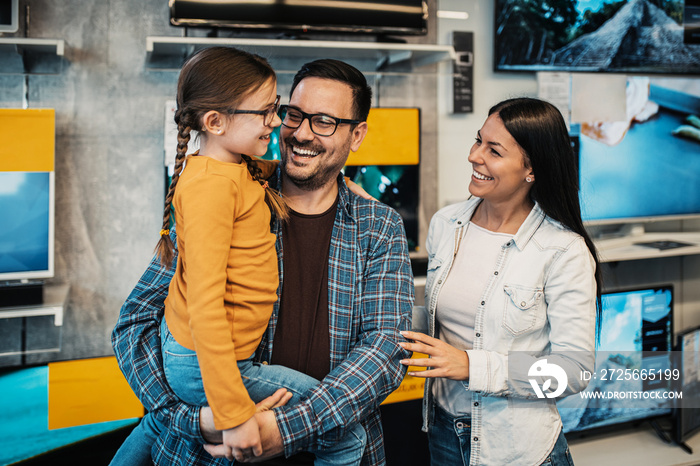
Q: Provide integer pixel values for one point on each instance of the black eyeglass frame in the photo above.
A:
(309, 116)
(268, 114)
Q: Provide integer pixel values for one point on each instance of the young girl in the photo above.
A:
(225, 284)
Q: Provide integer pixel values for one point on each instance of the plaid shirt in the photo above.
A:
(370, 297)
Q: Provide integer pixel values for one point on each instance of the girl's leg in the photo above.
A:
(184, 377)
(262, 380)
(181, 369)
(136, 449)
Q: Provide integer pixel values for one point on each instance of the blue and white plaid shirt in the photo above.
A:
(370, 298)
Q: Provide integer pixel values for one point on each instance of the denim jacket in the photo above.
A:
(540, 302)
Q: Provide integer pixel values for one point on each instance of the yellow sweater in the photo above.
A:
(221, 297)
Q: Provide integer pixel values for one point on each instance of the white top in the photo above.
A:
(458, 302)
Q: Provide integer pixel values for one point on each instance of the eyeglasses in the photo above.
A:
(320, 124)
(268, 114)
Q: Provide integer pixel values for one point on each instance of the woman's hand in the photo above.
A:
(445, 360)
(357, 189)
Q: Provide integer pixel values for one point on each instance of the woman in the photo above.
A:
(512, 278)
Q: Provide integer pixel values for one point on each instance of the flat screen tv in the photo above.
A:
(624, 36)
(687, 414)
(9, 15)
(402, 17)
(646, 168)
(27, 233)
(636, 334)
(396, 186)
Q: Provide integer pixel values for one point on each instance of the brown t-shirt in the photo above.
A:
(301, 340)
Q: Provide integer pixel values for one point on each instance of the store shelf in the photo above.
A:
(31, 56)
(168, 53)
(55, 297)
(33, 329)
(631, 247)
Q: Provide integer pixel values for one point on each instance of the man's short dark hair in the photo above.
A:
(340, 71)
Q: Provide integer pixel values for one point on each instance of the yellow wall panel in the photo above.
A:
(393, 138)
(28, 139)
(87, 391)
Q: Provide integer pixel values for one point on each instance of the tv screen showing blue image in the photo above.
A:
(26, 237)
(636, 336)
(647, 168)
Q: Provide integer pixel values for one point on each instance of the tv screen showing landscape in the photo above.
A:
(636, 333)
(626, 36)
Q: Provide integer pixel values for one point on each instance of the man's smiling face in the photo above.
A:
(309, 160)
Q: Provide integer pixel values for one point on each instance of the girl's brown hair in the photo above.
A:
(215, 78)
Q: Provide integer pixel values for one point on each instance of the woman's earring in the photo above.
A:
(528, 179)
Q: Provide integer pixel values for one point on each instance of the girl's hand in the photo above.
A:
(243, 442)
(445, 360)
(210, 434)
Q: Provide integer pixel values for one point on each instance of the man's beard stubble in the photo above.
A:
(317, 178)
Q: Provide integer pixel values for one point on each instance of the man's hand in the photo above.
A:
(269, 433)
(243, 441)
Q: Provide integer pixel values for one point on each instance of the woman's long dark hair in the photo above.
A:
(539, 128)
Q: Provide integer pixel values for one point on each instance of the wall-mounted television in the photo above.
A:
(9, 15)
(648, 167)
(687, 416)
(26, 196)
(623, 36)
(401, 17)
(636, 333)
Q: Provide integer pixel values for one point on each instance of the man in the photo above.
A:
(346, 291)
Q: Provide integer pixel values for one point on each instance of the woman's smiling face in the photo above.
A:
(500, 166)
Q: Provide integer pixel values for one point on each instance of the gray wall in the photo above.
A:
(109, 149)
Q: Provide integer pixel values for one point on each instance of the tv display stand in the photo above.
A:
(648, 246)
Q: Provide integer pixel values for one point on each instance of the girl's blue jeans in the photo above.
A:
(184, 377)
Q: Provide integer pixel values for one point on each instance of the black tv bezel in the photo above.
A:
(627, 424)
(679, 71)
(296, 27)
(679, 435)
